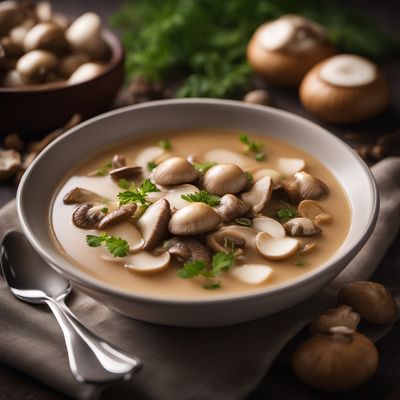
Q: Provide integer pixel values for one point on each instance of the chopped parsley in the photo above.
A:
(221, 262)
(260, 156)
(165, 144)
(252, 146)
(202, 197)
(151, 165)
(244, 221)
(103, 170)
(299, 263)
(202, 168)
(104, 210)
(284, 214)
(117, 246)
(135, 194)
(249, 176)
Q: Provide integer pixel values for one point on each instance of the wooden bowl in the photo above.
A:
(35, 110)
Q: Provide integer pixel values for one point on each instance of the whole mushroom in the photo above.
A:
(301, 227)
(174, 171)
(303, 186)
(34, 66)
(222, 179)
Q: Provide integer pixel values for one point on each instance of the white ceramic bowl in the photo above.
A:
(43, 177)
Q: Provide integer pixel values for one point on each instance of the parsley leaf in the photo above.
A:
(284, 214)
(202, 168)
(212, 285)
(151, 165)
(117, 246)
(252, 146)
(202, 197)
(103, 170)
(221, 262)
(165, 144)
(249, 176)
(244, 221)
(299, 263)
(104, 210)
(134, 194)
(191, 269)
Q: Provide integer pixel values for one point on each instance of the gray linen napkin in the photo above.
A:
(218, 363)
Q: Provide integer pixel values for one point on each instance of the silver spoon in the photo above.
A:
(92, 360)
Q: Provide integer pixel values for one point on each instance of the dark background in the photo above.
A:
(280, 382)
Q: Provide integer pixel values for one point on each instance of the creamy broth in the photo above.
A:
(72, 240)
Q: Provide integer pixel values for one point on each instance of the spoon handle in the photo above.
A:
(92, 360)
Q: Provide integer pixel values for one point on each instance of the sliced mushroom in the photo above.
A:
(253, 274)
(147, 263)
(263, 172)
(339, 316)
(311, 209)
(289, 166)
(188, 249)
(125, 172)
(301, 227)
(149, 154)
(303, 186)
(80, 195)
(115, 217)
(130, 233)
(222, 156)
(153, 224)
(88, 215)
(270, 226)
(231, 207)
(226, 240)
(118, 161)
(10, 163)
(307, 248)
(174, 195)
(194, 219)
(225, 178)
(258, 196)
(174, 171)
(275, 248)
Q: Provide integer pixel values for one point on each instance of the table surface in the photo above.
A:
(280, 381)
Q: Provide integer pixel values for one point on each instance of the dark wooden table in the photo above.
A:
(280, 381)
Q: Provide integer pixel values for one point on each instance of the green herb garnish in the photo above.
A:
(202, 197)
(249, 176)
(284, 214)
(211, 285)
(260, 156)
(104, 170)
(117, 246)
(151, 165)
(165, 144)
(192, 269)
(244, 221)
(104, 210)
(124, 184)
(299, 263)
(137, 194)
(252, 147)
(202, 168)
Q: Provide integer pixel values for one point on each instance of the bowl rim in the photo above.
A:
(89, 282)
(117, 56)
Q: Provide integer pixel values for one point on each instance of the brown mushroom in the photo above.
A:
(126, 172)
(10, 163)
(153, 224)
(225, 179)
(194, 219)
(80, 195)
(227, 239)
(301, 227)
(34, 66)
(88, 215)
(187, 249)
(231, 207)
(311, 209)
(340, 361)
(45, 35)
(118, 161)
(174, 171)
(11, 14)
(115, 217)
(371, 299)
(258, 196)
(303, 186)
(259, 96)
(342, 315)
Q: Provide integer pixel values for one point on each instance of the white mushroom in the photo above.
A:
(147, 263)
(275, 248)
(174, 195)
(225, 178)
(115, 217)
(301, 227)
(260, 173)
(258, 196)
(128, 232)
(88, 215)
(311, 209)
(307, 248)
(240, 236)
(174, 171)
(270, 226)
(222, 156)
(86, 72)
(80, 195)
(303, 186)
(253, 274)
(194, 219)
(12, 79)
(289, 166)
(153, 224)
(70, 63)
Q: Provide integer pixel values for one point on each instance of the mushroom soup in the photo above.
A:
(202, 213)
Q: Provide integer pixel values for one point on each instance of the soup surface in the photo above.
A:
(242, 260)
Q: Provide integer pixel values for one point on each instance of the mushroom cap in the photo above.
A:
(270, 226)
(274, 248)
(34, 65)
(118, 161)
(45, 35)
(225, 179)
(194, 219)
(231, 207)
(87, 215)
(153, 224)
(342, 315)
(80, 195)
(335, 362)
(174, 171)
(276, 177)
(188, 249)
(223, 156)
(301, 227)
(223, 239)
(304, 186)
(289, 166)
(85, 72)
(115, 217)
(174, 195)
(130, 233)
(147, 263)
(258, 196)
(371, 299)
(252, 274)
(125, 172)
